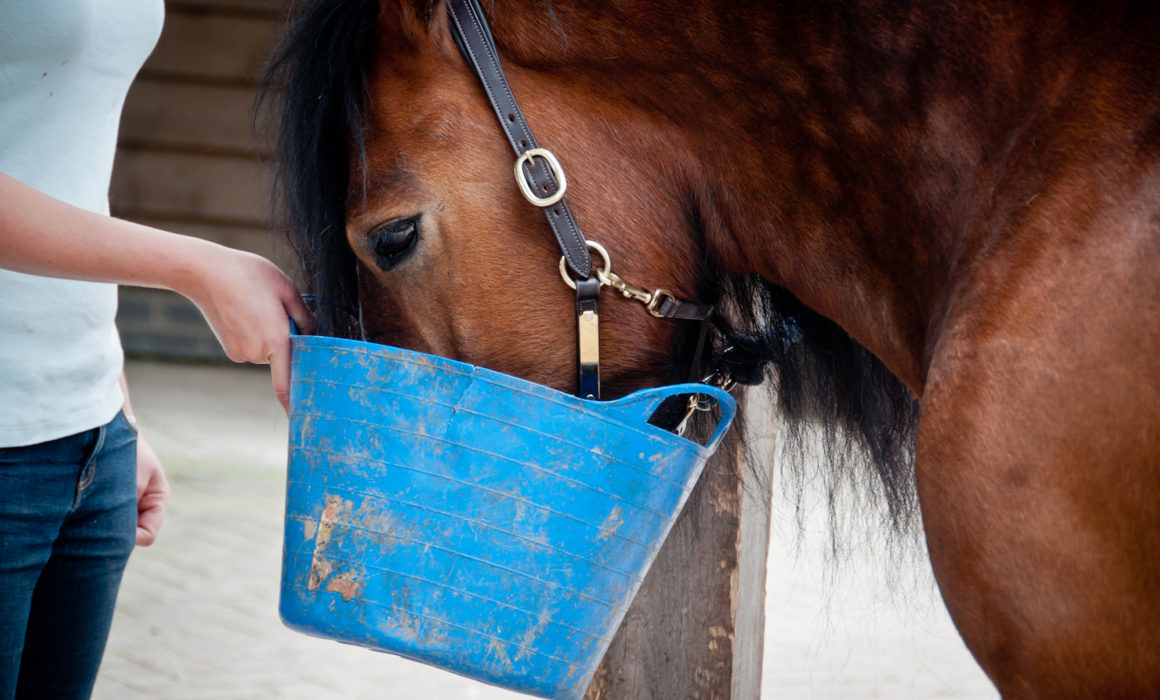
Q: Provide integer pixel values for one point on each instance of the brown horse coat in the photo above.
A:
(970, 190)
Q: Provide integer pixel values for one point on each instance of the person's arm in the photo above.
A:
(246, 298)
(152, 486)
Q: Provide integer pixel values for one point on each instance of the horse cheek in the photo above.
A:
(384, 318)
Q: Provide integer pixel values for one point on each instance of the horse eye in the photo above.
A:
(394, 240)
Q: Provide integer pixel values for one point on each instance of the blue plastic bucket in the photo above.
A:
(471, 520)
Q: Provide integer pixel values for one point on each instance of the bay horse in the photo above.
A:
(936, 226)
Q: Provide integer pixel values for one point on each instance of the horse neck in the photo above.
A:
(836, 149)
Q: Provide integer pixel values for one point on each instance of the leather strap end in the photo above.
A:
(588, 336)
(675, 308)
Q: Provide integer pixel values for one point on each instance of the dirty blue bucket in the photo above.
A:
(471, 520)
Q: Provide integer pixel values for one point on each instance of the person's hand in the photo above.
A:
(152, 493)
(248, 302)
(245, 297)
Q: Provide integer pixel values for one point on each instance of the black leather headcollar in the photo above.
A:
(475, 41)
(542, 181)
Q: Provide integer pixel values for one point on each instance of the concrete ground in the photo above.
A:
(197, 615)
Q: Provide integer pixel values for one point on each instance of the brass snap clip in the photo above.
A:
(629, 291)
(700, 402)
(652, 300)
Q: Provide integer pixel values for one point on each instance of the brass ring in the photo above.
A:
(601, 275)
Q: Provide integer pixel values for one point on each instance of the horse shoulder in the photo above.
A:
(1038, 462)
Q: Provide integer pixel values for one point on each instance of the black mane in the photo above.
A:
(835, 399)
(318, 79)
(829, 389)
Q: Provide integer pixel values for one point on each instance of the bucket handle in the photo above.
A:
(639, 406)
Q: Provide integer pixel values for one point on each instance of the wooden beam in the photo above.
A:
(203, 46)
(190, 187)
(262, 8)
(695, 628)
(206, 118)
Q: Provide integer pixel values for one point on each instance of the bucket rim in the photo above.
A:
(629, 411)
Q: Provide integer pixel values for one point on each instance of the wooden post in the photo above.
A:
(696, 627)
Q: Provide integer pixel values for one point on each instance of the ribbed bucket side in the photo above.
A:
(460, 518)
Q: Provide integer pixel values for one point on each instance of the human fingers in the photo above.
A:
(152, 494)
(149, 521)
(279, 361)
(298, 311)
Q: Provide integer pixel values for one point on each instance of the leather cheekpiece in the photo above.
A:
(475, 41)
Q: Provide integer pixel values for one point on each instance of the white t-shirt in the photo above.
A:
(65, 67)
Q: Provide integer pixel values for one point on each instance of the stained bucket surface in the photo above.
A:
(472, 520)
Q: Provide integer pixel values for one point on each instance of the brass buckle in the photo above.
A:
(553, 166)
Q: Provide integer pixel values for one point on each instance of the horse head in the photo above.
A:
(450, 259)
(683, 160)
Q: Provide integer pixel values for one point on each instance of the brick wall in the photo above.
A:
(187, 160)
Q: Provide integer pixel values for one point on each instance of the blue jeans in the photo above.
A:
(68, 519)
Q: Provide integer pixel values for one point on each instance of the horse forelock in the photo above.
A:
(317, 78)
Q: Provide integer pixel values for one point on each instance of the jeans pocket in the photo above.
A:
(124, 420)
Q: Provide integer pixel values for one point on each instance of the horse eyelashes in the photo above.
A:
(394, 240)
